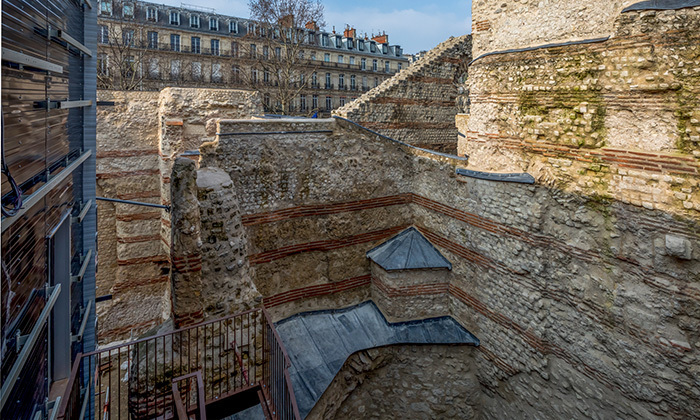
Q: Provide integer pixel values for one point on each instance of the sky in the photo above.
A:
(416, 25)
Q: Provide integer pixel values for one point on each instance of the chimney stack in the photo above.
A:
(350, 33)
(311, 25)
(381, 39)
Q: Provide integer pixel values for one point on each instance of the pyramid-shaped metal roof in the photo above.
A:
(409, 250)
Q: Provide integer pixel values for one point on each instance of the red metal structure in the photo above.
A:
(210, 364)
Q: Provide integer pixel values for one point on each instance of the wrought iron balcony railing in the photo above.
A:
(165, 375)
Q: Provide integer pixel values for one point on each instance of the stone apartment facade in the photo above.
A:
(159, 46)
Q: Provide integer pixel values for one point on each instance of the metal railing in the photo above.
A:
(136, 380)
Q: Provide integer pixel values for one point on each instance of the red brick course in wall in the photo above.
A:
(138, 216)
(407, 125)
(316, 291)
(126, 153)
(188, 263)
(132, 283)
(122, 174)
(642, 161)
(407, 101)
(328, 245)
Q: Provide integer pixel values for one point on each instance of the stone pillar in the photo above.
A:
(186, 258)
(227, 282)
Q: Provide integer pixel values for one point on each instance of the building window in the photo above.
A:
(153, 40)
(106, 7)
(329, 103)
(351, 44)
(251, 28)
(386, 66)
(216, 72)
(214, 47)
(341, 81)
(353, 84)
(328, 81)
(338, 42)
(342, 100)
(253, 51)
(364, 82)
(361, 45)
(363, 64)
(352, 61)
(196, 45)
(196, 70)
(254, 76)
(194, 21)
(175, 69)
(234, 49)
(302, 102)
(103, 64)
(340, 59)
(213, 24)
(374, 65)
(128, 37)
(398, 51)
(314, 102)
(174, 42)
(153, 68)
(398, 67)
(233, 27)
(385, 49)
(266, 52)
(313, 56)
(327, 58)
(151, 14)
(324, 40)
(128, 10)
(104, 34)
(235, 74)
(376, 81)
(266, 76)
(314, 80)
(372, 47)
(174, 18)
(278, 53)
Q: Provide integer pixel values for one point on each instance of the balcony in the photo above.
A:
(206, 369)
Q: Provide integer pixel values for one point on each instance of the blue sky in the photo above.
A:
(414, 24)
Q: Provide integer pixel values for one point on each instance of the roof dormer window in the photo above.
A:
(338, 42)
(233, 27)
(128, 10)
(194, 21)
(151, 14)
(174, 18)
(385, 49)
(213, 24)
(361, 45)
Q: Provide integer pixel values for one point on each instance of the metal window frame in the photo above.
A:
(39, 195)
(12, 377)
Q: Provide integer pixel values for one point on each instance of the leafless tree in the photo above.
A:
(275, 46)
(126, 61)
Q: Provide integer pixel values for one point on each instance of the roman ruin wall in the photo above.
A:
(580, 307)
(138, 139)
(418, 105)
(498, 26)
(427, 381)
(617, 120)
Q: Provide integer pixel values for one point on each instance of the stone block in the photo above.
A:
(679, 247)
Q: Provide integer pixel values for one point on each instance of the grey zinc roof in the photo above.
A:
(662, 5)
(319, 343)
(409, 250)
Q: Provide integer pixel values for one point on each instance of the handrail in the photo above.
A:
(201, 405)
(71, 382)
(161, 335)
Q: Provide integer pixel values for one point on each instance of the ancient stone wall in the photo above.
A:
(418, 105)
(137, 140)
(618, 119)
(499, 26)
(404, 381)
(580, 306)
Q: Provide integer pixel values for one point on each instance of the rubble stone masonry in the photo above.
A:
(618, 119)
(418, 105)
(138, 138)
(580, 306)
